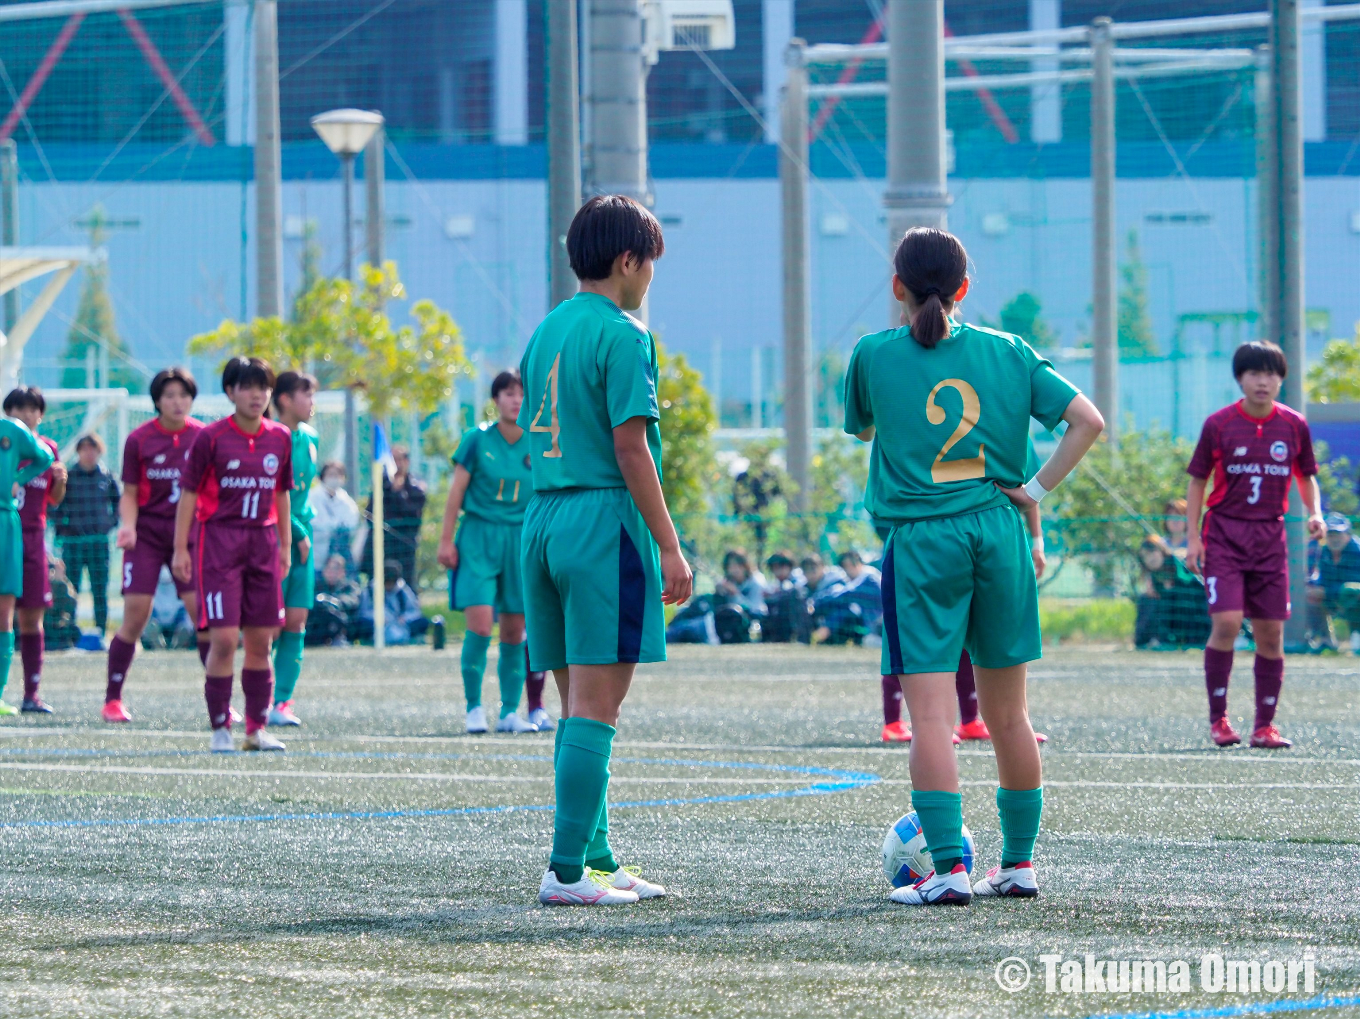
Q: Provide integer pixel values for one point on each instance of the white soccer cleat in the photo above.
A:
(513, 723)
(1016, 882)
(282, 714)
(541, 718)
(260, 739)
(627, 879)
(594, 889)
(221, 741)
(950, 889)
(476, 720)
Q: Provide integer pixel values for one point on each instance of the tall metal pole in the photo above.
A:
(1288, 116)
(9, 210)
(1267, 200)
(793, 170)
(375, 203)
(564, 146)
(1104, 289)
(268, 157)
(918, 191)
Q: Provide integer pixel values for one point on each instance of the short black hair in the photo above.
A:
(91, 439)
(172, 374)
(504, 381)
(25, 398)
(1259, 356)
(247, 373)
(606, 227)
(290, 382)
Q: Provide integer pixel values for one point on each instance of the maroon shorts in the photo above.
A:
(155, 548)
(238, 577)
(1246, 567)
(37, 584)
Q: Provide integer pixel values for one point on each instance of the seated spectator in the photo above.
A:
(786, 617)
(725, 616)
(1175, 527)
(59, 619)
(1171, 608)
(169, 625)
(335, 614)
(849, 611)
(1334, 582)
(403, 621)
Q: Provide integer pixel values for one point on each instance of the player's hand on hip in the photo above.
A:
(1317, 527)
(304, 550)
(182, 565)
(127, 538)
(1194, 555)
(1018, 496)
(677, 579)
(448, 555)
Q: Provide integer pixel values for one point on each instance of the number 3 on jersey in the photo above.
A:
(943, 471)
(552, 427)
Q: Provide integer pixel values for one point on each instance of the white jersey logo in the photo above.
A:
(1240, 451)
(1279, 451)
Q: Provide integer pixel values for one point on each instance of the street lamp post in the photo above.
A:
(346, 133)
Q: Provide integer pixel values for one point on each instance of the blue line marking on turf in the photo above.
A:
(841, 781)
(1256, 1008)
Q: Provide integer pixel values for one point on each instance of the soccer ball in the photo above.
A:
(905, 857)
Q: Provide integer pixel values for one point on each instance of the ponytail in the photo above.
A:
(930, 324)
(932, 265)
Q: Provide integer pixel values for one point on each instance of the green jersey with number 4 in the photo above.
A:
(951, 422)
(589, 367)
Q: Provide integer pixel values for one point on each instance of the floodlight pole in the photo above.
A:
(268, 172)
(1104, 289)
(918, 191)
(564, 146)
(1287, 114)
(793, 171)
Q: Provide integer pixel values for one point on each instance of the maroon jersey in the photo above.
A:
(153, 460)
(34, 497)
(237, 475)
(1252, 460)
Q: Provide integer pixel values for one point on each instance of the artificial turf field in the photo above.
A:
(387, 865)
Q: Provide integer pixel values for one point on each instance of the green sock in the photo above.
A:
(941, 816)
(510, 671)
(287, 665)
(1019, 810)
(581, 779)
(598, 853)
(6, 656)
(474, 665)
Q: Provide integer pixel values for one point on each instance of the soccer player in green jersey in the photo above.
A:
(601, 555)
(294, 399)
(947, 406)
(18, 446)
(492, 483)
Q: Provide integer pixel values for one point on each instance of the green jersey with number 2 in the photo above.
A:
(951, 422)
(589, 368)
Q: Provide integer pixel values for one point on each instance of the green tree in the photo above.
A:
(94, 324)
(1335, 378)
(1021, 316)
(1135, 324)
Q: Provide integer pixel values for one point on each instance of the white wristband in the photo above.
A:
(1035, 490)
(1036, 542)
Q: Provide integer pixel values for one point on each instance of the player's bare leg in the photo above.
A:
(1269, 674)
(31, 655)
(1019, 798)
(1218, 662)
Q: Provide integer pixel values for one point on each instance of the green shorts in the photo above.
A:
(12, 550)
(955, 583)
(488, 567)
(592, 581)
(299, 586)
